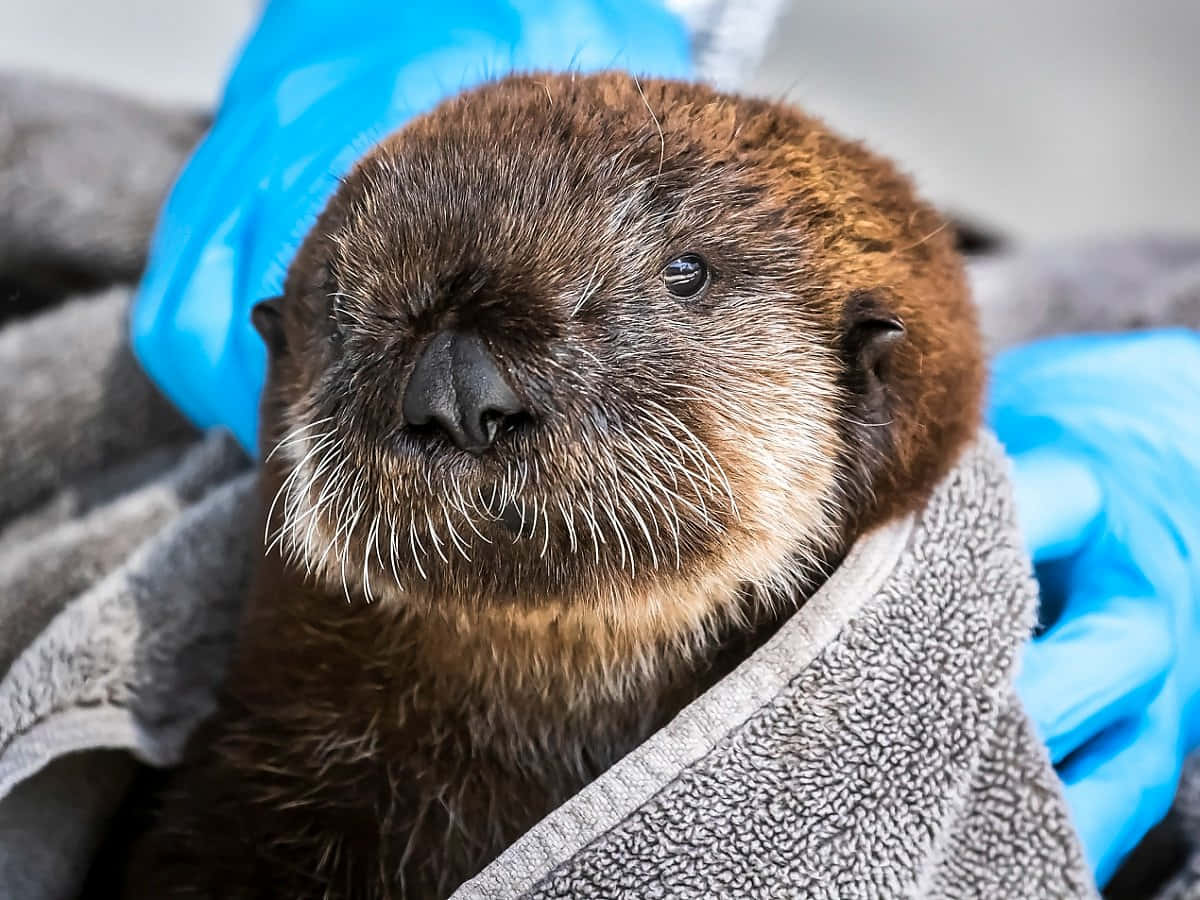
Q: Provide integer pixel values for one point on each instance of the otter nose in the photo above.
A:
(457, 387)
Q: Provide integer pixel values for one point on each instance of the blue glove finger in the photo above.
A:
(1059, 501)
(1110, 810)
(1106, 665)
(1119, 410)
(1113, 642)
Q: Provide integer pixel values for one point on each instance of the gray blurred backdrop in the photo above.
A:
(1051, 119)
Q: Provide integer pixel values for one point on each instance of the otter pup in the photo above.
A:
(578, 386)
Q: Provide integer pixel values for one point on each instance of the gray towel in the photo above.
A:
(874, 747)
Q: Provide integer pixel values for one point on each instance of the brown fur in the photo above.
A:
(691, 471)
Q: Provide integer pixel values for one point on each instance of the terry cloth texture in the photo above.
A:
(872, 748)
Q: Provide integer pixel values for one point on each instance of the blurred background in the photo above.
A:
(1050, 119)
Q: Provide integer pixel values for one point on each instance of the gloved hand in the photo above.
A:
(1105, 436)
(317, 84)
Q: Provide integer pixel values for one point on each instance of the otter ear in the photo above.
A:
(875, 339)
(267, 318)
(871, 332)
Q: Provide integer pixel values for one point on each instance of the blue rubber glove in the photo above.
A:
(1105, 435)
(317, 84)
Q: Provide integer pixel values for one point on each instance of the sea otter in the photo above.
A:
(577, 388)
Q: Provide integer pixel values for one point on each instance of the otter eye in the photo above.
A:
(686, 275)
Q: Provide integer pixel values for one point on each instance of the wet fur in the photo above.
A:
(426, 670)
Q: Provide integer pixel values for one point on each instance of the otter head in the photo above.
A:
(634, 348)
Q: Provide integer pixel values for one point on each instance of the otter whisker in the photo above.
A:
(652, 487)
(689, 391)
(697, 450)
(345, 492)
(372, 535)
(331, 490)
(331, 454)
(622, 537)
(414, 542)
(699, 505)
(618, 475)
(569, 520)
(589, 354)
(467, 511)
(429, 487)
(468, 516)
(650, 543)
(546, 539)
(642, 473)
(321, 442)
(594, 517)
(505, 492)
(695, 447)
(593, 530)
(706, 518)
(647, 484)
(709, 456)
(378, 550)
(646, 444)
(586, 294)
(521, 523)
(437, 543)
(392, 549)
(455, 538)
(523, 468)
(295, 435)
(294, 520)
(674, 520)
(349, 529)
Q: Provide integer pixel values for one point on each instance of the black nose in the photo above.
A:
(457, 387)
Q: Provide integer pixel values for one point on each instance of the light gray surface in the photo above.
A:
(1052, 119)
(158, 49)
(1059, 119)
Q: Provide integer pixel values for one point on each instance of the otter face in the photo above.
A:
(563, 341)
